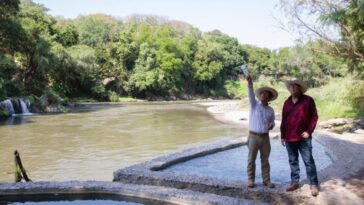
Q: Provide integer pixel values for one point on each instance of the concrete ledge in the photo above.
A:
(112, 190)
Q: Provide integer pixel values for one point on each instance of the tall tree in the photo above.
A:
(338, 23)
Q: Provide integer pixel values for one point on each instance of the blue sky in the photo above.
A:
(249, 21)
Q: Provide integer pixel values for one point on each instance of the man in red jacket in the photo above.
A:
(299, 118)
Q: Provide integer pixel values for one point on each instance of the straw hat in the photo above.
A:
(271, 90)
(301, 83)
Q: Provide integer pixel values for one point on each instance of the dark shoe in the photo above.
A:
(293, 187)
(269, 184)
(251, 184)
(314, 190)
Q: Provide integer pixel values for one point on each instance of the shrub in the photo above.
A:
(235, 89)
(113, 96)
(355, 94)
(52, 96)
(4, 113)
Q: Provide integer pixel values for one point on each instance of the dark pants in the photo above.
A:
(304, 146)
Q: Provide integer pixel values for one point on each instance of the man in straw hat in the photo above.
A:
(299, 118)
(261, 120)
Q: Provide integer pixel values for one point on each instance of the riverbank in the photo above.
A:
(343, 182)
(236, 113)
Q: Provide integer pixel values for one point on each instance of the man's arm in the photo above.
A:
(252, 100)
(271, 121)
(283, 121)
(314, 117)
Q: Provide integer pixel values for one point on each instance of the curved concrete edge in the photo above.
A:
(138, 193)
(148, 173)
(165, 161)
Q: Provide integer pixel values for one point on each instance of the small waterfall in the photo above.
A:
(24, 108)
(16, 107)
(9, 106)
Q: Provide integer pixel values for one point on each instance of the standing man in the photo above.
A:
(299, 118)
(261, 120)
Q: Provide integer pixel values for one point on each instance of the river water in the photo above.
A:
(94, 140)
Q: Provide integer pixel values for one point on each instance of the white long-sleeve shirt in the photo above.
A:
(260, 116)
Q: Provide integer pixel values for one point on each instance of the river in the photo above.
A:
(93, 140)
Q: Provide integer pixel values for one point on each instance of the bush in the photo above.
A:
(2, 90)
(52, 97)
(355, 94)
(4, 113)
(113, 96)
(341, 97)
(235, 89)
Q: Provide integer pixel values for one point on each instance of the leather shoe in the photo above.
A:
(314, 190)
(292, 187)
(269, 184)
(251, 184)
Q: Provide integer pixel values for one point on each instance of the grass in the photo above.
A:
(339, 98)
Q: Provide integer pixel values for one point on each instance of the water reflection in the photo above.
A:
(16, 120)
(94, 140)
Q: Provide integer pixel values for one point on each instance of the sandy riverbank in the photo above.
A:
(232, 112)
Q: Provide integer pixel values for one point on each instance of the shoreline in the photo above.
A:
(233, 113)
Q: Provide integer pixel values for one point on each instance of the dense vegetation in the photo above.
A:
(103, 57)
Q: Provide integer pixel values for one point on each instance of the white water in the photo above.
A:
(11, 110)
(24, 108)
(9, 106)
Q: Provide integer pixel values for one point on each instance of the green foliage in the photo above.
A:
(145, 74)
(101, 57)
(235, 89)
(355, 94)
(304, 63)
(68, 36)
(52, 97)
(4, 113)
(8, 8)
(2, 90)
(346, 17)
(113, 96)
(96, 29)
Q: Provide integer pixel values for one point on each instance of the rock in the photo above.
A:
(334, 123)
(359, 131)
(274, 135)
(16, 105)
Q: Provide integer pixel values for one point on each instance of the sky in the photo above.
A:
(250, 21)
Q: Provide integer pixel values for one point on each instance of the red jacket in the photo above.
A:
(298, 118)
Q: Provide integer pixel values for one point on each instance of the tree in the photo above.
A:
(144, 78)
(68, 35)
(305, 63)
(338, 23)
(97, 29)
(35, 45)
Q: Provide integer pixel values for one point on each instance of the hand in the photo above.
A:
(249, 79)
(305, 135)
(270, 126)
(283, 142)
